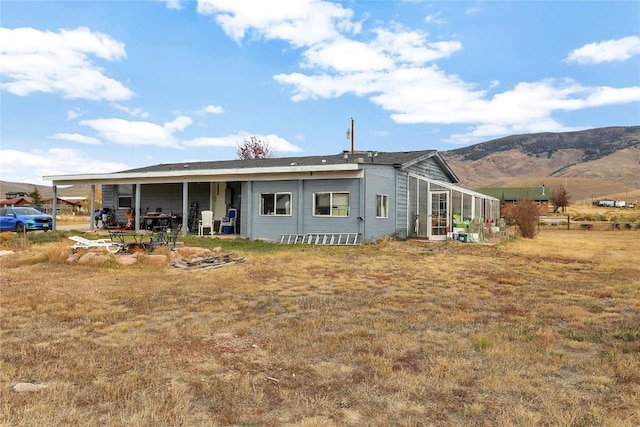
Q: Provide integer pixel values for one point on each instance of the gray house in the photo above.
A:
(366, 194)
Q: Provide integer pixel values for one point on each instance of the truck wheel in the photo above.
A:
(20, 228)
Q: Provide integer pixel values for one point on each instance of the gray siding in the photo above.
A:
(270, 226)
(302, 219)
(321, 224)
(168, 197)
(429, 169)
(379, 180)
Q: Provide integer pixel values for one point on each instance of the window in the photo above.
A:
(275, 204)
(382, 206)
(331, 204)
(125, 196)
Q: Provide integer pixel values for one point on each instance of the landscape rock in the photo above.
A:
(155, 259)
(126, 259)
(28, 387)
(93, 257)
(3, 253)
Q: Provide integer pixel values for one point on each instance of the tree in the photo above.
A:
(254, 148)
(560, 198)
(36, 197)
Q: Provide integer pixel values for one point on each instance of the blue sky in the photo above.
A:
(91, 86)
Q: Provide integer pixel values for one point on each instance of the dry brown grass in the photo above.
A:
(529, 332)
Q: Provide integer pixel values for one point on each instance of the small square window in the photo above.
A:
(331, 204)
(277, 204)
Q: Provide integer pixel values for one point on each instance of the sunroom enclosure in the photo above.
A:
(436, 207)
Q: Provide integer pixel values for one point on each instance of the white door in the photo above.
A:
(439, 215)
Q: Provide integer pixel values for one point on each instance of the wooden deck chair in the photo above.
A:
(82, 243)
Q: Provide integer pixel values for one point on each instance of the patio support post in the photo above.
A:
(54, 207)
(92, 207)
(137, 213)
(185, 208)
(248, 206)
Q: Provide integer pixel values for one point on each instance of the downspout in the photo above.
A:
(300, 209)
(363, 205)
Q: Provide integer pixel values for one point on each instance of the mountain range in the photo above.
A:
(591, 164)
(594, 163)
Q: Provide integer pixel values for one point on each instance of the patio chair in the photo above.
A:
(229, 220)
(82, 243)
(206, 221)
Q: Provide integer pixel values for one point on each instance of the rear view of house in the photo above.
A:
(366, 194)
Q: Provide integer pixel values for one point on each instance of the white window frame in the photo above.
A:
(275, 195)
(334, 209)
(382, 206)
(125, 193)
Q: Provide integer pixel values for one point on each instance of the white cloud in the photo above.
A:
(76, 137)
(472, 10)
(211, 109)
(435, 18)
(21, 166)
(136, 112)
(279, 144)
(299, 22)
(606, 51)
(395, 68)
(173, 4)
(42, 61)
(125, 132)
(74, 113)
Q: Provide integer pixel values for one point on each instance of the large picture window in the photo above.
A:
(382, 206)
(331, 204)
(125, 196)
(275, 204)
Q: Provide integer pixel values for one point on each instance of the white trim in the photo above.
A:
(453, 187)
(199, 175)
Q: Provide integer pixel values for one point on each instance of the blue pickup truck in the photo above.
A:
(22, 219)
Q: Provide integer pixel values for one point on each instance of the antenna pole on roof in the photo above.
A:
(352, 147)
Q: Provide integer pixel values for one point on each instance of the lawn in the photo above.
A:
(526, 332)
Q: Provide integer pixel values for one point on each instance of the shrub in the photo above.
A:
(14, 241)
(57, 253)
(525, 217)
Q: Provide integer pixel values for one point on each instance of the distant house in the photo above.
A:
(16, 201)
(509, 196)
(16, 194)
(46, 203)
(368, 194)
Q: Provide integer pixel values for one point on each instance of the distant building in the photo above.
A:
(16, 194)
(509, 196)
(62, 206)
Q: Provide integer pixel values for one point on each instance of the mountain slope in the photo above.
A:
(591, 163)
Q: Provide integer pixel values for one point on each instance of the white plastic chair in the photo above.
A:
(206, 221)
(229, 220)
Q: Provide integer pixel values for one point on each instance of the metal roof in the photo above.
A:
(346, 163)
(517, 193)
(369, 157)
